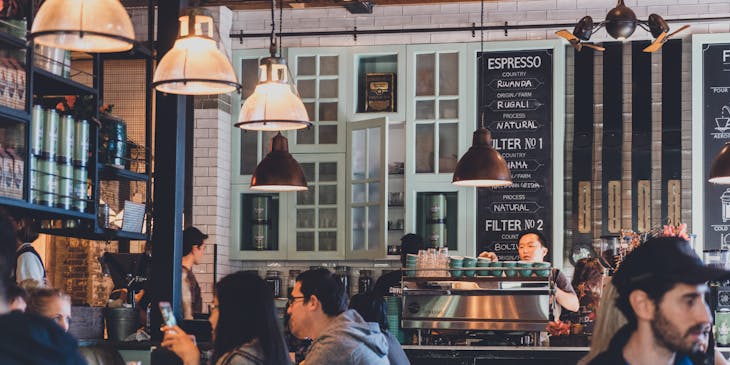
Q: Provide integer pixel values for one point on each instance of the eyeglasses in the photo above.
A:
(293, 299)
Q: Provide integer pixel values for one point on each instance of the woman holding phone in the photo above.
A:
(245, 327)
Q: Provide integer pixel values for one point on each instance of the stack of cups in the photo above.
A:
(525, 270)
(509, 270)
(455, 264)
(469, 263)
(411, 263)
(483, 262)
(541, 269)
(392, 305)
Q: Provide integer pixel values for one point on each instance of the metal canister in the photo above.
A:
(50, 134)
(65, 185)
(47, 171)
(81, 143)
(114, 140)
(103, 215)
(438, 208)
(36, 130)
(65, 146)
(80, 189)
(34, 179)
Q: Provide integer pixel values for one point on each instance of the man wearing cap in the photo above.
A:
(390, 283)
(661, 289)
(193, 249)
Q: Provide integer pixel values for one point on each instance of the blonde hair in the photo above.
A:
(38, 299)
(609, 320)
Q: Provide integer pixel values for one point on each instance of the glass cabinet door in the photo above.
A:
(316, 218)
(436, 104)
(256, 229)
(367, 188)
(316, 72)
(248, 147)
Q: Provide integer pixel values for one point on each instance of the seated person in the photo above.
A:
(245, 326)
(318, 310)
(533, 247)
(51, 303)
(390, 283)
(372, 309)
(588, 284)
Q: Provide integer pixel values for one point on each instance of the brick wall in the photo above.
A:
(73, 267)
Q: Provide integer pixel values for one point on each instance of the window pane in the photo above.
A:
(373, 227)
(306, 197)
(374, 167)
(305, 241)
(358, 225)
(449, 74)
(249, 76)
(425, 109)
(310, 110)
(328, 134)
(358, 154)
(306, 66)
(308, 168)
(327, 171)
(249, 146)
(328, 88)
(374, 192)
(305, 136)
(328, 65)
(305, 218)
(448, 146)
(306, 89)
(328, 241)
(425, 66)
(328, 218)
(328, 112)
(424, 148)
(327, 194)
(358, 193)
(448, 109)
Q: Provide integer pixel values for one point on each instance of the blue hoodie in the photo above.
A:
(349, 340)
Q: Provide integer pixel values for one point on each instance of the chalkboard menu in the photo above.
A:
(716, 122)
(515, 94)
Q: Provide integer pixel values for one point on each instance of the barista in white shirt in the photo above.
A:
(29, 270)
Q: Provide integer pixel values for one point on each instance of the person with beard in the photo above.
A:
(661, 287)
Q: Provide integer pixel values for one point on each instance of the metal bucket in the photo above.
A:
(120, 323)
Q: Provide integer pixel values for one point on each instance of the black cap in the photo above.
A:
(193, 236)
(669, 259)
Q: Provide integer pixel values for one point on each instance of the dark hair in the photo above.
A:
(192, 237)
(370, 307)
(654, 287)
(13, 292)
(246, 312)
(29, 231)
(328, 289)
(588, 271)
(410, 243)
(540, 236)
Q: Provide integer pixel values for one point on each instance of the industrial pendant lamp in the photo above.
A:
(275, 104)
(482, 165)
(720, 169)
(278, 171)
(83, 25)
(195, 65)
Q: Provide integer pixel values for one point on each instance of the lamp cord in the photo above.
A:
(481, 54)
(272, 39)
(281, 22)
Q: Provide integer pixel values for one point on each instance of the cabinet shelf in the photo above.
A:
(100, 234)
(43, 211)
(12, 41)
(108, 172)
(16, 115)
(45, 82)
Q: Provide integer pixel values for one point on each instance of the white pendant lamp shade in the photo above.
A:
(83, 25)
(195, 65)
(274, 105)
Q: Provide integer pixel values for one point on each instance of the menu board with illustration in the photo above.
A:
(515, 94)
(716, 93)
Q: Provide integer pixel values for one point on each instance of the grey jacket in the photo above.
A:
(349, 340)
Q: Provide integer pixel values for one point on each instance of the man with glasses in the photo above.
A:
(318, 310)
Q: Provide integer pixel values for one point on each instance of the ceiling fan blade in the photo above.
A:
(563, 33)
(678, 30)
(596, 47)
(658, 42)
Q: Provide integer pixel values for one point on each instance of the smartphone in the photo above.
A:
(167, 316)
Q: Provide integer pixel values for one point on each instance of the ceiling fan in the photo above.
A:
(620, 23)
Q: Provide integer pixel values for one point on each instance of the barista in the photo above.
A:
(532, 247)
(390, 283)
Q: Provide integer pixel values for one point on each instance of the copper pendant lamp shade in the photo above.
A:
(83, 25)
(278, 171)
(482, 165)
(720, 169)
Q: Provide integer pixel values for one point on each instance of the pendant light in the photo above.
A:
(720, 169)
(278, 171)
(482, 165)
(195, 65)
(83, 25)
(275, 104)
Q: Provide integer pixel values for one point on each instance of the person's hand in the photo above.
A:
(179, 342)
(490, 255)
